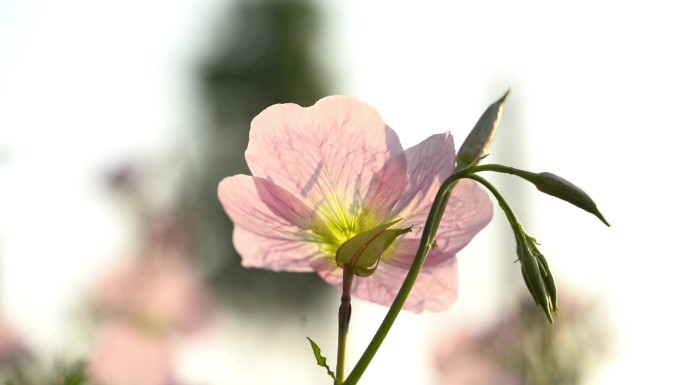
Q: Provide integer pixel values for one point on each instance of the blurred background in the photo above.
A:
(118, 120)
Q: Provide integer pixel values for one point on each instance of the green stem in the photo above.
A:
(528, 176)
(512, 219)
(344, 319)
(426, 242)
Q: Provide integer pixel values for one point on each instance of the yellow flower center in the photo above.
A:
(338, 225)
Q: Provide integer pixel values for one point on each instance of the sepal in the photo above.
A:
(363, 251)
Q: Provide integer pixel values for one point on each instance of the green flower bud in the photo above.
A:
(549, 282)
(553, 185)
(364, 250)
(561, 188)
(537, 275)
(479, 140)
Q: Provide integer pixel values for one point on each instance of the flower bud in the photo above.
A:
(561, 188)
(481, 136)
(537, 275)
(549, 282)
(363, 251)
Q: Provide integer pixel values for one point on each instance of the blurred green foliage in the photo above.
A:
(263, 56)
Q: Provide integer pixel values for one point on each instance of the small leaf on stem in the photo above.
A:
(320, 360)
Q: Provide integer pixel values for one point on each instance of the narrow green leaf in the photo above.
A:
(320, 360)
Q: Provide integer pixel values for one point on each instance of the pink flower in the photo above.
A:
(160, 293)
(326, 173)
(12, 349)
(465, 360)
(124, 355)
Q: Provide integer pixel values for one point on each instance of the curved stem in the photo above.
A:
(528, 176)
(512, 219)
(426, 242)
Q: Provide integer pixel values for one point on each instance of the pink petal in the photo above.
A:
(261, 207)
(430, 162)
(274, 253)
(469, 210)
(328, 154)
(434, 290)
(386, 186)
(269, 224)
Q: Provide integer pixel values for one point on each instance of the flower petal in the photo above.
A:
(434, 290)
(327, 154)
(386, 187)
(429, 163)
(264, 208)
(469, 210)
(275, 253)
(269, 224)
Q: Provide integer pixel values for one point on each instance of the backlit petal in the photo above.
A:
(468, 211)
(264, 208)
(434, 290)
(429, 163)
(273, 253)
(327, 155)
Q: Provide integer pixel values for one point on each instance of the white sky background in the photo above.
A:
(597, 94)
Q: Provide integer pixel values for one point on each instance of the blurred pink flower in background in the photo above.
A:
(126, 355)
(465, 359)
(145, 307)
(160, 293)
(326, 173)
(12, 348)
(522, 348)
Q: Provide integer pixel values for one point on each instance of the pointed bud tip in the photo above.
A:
(480, 138)
(602, 218)
(559, 187)
(504, 97)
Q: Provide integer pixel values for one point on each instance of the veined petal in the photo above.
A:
(264, 208)
(273, 253)
(435, 289)
(328, 154)
(429, 163)
(468, 211)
